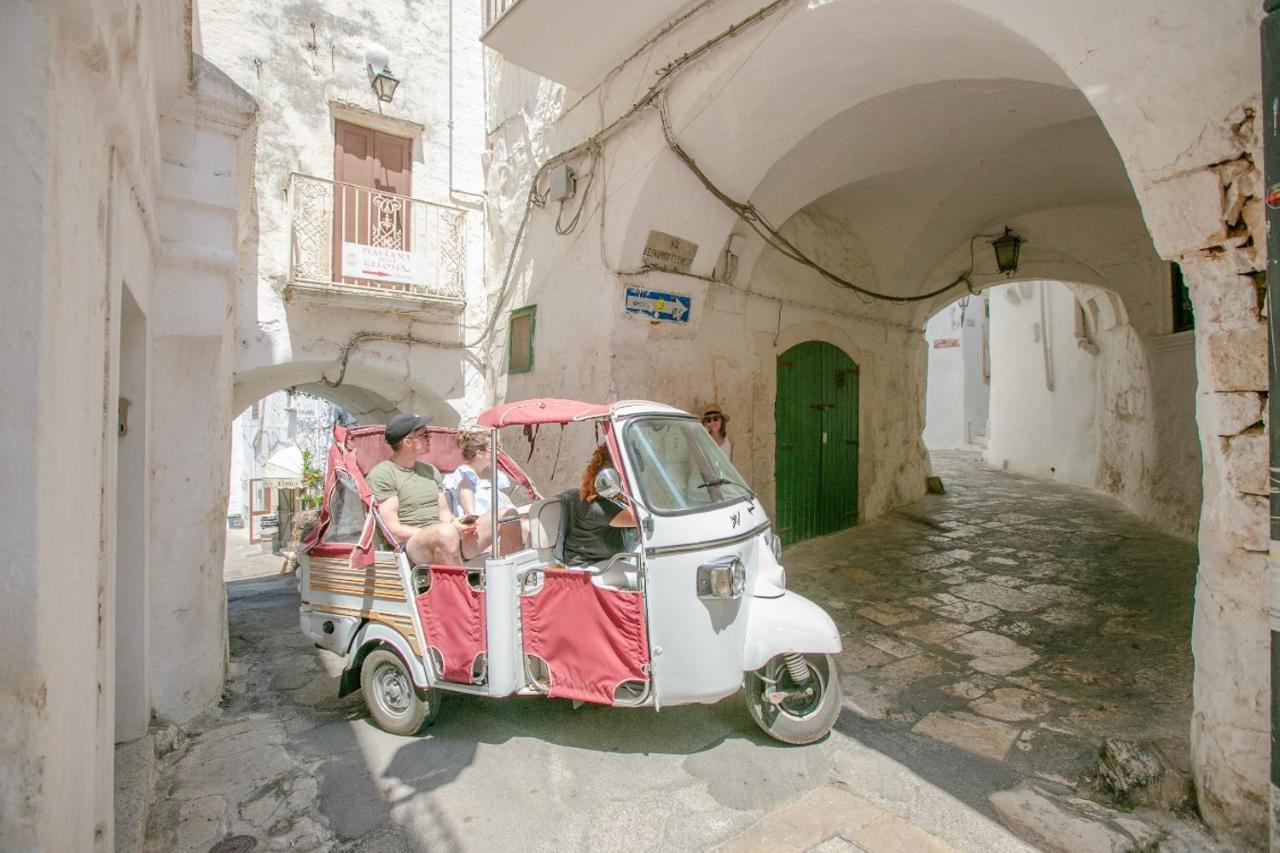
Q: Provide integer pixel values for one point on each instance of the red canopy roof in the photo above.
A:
(545, 410)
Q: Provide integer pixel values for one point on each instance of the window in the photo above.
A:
(520, 339)
(1184, 318)
(680, 467)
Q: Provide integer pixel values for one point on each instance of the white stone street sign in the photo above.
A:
(668, 252)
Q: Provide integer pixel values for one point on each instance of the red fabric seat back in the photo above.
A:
(592, 638)
(453, 620)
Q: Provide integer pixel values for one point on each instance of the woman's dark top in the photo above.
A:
(588, 537)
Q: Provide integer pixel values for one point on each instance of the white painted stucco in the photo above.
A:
(884, 138)
(958, 383)
(115, 141)
(1044, 420)
(305, 64)
(889, 140)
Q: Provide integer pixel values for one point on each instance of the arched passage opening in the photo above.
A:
(279, 445)
(1051, 379)
(887, 155)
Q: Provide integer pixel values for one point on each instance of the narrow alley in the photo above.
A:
(993, 637)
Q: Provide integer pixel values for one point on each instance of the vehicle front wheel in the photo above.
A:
(397, 706)
(793, 704)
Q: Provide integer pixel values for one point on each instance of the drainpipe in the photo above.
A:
(1271, 182)
(451, 98)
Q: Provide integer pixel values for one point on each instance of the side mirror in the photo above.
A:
(608, 484)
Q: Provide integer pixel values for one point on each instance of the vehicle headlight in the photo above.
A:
(723, 578)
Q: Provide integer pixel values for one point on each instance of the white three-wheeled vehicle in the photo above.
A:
(694, 611)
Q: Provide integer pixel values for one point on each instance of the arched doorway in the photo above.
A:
(816, 450)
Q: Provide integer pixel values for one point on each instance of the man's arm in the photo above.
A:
(389, 511)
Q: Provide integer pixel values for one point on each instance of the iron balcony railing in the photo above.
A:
(354, 236)
(495, 9)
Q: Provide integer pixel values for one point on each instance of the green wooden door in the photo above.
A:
(816, 455)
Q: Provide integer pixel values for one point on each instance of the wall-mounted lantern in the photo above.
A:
(1007, 247)
(383, 82)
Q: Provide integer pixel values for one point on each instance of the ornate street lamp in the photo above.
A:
(381, 79)
(1007, 247)
(384, 85)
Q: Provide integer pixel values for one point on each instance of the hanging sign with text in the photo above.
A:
(668, 252)
(658, 305)
(379, 264)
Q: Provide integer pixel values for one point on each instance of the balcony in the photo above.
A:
(574, 42)
(366, 248)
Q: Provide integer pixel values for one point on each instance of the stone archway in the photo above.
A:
(884, 151)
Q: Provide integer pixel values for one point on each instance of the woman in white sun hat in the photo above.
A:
(715, 421)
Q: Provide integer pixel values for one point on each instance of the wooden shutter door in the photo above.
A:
(364, 161)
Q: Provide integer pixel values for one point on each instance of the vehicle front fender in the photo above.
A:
(372, 634)
(787, 624)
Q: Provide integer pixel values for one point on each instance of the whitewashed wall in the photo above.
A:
(305, 63)
(123, 155)
(958, 389)
(1167, 171)
(1043, 386)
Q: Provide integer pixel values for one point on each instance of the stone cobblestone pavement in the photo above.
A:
(1019, 619)
(993, 636)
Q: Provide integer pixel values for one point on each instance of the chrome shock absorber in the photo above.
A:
(797, 668)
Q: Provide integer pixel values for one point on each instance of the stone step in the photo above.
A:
(135, 770)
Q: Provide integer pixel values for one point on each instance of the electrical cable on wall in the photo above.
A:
(593, 147)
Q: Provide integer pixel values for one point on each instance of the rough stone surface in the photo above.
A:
(300, 769)
(1234, 412)
(1247, 459)
(134, 777)
(1052, 676)
(1011, 704)
(1054, 826)
(1184, 211)
(1235, 360)
(975, 734)
(1138, 772)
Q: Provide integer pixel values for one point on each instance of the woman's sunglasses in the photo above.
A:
(706, 419)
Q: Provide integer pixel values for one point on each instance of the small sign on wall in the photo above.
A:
(668, 252)
(379, 264)
(946, 343)
(658, 305)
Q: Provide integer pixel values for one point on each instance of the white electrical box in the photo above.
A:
(562, 183)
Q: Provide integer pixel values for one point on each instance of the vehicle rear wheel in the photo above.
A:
(395, 704)
(788, 709)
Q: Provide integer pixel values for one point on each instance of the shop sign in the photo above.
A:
(379, 264)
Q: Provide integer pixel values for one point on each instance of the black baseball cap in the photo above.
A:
(402, 426)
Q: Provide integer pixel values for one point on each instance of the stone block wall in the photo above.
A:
(1210, 221)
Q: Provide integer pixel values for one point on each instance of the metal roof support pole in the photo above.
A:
(1271, 184)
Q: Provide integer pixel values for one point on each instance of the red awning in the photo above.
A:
(546, 410)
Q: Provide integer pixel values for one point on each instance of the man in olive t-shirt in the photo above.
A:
(411, 501)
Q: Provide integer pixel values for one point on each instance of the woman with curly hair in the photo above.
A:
(594, 531)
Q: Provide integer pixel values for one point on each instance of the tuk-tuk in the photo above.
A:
(693, 610)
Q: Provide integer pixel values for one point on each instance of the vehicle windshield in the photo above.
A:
(680, 467)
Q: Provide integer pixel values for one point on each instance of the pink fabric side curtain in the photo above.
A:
(453, 619)
(592, 639)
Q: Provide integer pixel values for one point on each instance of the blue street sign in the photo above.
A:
(657, 305)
